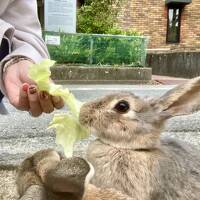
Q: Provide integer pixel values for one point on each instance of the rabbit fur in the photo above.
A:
(129, 154)
(47, 175)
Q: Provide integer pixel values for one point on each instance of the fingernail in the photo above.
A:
(25, 87)
(44, 95)
(56, 99)
(32, 90)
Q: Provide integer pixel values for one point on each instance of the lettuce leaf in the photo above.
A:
(67, 126)
(68, 131)
(40, 73)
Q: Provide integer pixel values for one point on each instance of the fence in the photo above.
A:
(100, 49)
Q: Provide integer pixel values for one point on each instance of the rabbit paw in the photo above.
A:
(29, 184)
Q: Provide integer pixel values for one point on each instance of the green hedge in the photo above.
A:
(100, 49)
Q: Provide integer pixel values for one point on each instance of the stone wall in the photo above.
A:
(179, 64)
(150, 18)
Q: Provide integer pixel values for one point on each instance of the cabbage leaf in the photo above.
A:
(67, 126)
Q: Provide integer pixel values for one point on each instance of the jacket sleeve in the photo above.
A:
(20, 24)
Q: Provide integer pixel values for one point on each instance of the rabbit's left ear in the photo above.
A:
(183, 99)
(69, 176)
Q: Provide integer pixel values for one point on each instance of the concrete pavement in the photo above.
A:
(168, 80)
(21, 135)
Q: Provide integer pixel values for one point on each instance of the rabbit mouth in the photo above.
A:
(93, 131)
(88, 123)
(91, 128)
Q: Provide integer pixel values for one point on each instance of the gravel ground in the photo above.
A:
(7, 185)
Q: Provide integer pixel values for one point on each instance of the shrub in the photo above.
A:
(118, 31)
(98, 16)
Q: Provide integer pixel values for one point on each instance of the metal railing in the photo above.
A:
(100, 49)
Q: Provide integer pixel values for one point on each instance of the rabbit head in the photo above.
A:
(127, 121)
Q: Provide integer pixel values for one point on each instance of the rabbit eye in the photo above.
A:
(122, 106)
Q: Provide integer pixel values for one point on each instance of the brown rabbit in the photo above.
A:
(129, 154)
(48, 176)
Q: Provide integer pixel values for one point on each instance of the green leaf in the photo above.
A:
(68, 128)
(40, 73)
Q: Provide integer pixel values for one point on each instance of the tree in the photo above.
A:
(98, 16)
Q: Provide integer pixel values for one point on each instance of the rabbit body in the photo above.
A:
(169, 172)
(129, 154)
(130, 160)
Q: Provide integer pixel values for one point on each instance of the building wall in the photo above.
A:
(150, 18)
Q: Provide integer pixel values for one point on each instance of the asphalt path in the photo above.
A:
(22, 135)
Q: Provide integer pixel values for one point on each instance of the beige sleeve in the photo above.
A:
(20, 24)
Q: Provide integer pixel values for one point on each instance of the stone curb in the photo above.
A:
(103, 74)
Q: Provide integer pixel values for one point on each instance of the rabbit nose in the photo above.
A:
(86, 109)
(87, 114)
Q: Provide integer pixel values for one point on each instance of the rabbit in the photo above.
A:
(47, 175)
(129, 154)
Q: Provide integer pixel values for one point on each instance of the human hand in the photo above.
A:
(23, 94)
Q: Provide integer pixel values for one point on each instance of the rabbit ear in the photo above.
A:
(69, 176)
(28, 183)
(183, 99)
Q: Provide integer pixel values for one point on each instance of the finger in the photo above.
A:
(34, 102)
(23, 103)
(57, 102)
(45, 102)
